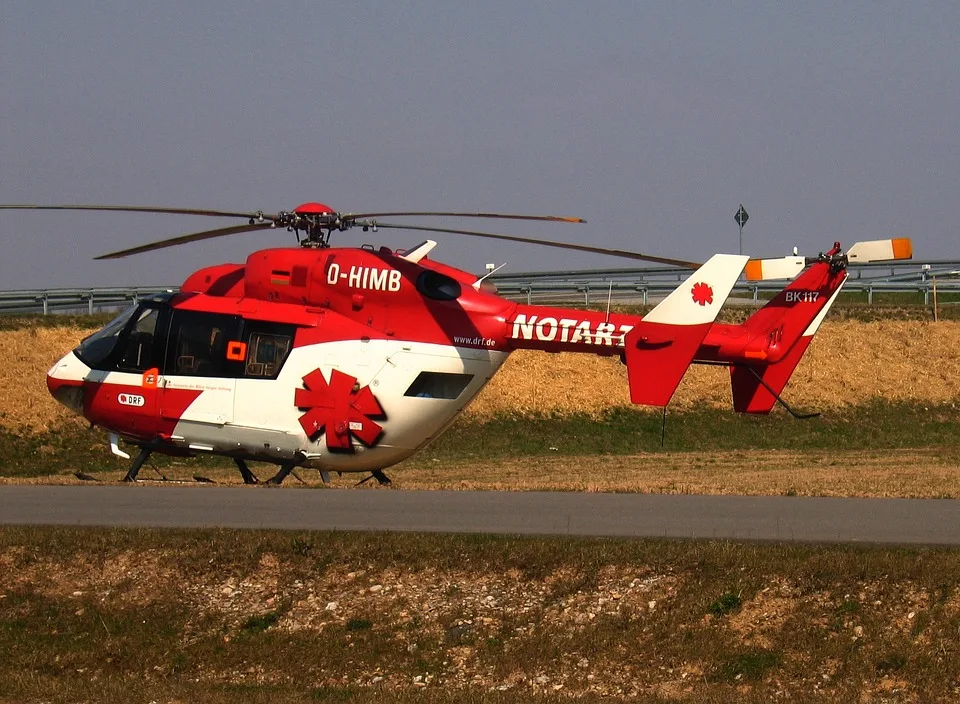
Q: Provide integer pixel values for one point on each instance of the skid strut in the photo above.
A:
(248, 476)
(134, 470)
(286, 469)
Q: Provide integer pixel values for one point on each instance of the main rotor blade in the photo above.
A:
(548, 243)
(501, 216)
(184, 239)
(140, 209)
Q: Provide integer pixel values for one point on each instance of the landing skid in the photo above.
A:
(248, 476)
(382, 479)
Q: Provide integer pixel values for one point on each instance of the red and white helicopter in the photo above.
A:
(353, 359)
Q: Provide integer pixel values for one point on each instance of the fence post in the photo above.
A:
(869, 295)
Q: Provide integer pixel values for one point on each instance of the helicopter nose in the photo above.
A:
(65, 382)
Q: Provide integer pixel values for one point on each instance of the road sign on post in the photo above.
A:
(741, 217)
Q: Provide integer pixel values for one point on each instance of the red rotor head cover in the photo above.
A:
(314, 209)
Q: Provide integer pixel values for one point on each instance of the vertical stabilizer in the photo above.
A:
(780, 334)
(754, 385)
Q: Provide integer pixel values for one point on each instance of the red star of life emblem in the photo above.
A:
(702, 294)
(340, 408)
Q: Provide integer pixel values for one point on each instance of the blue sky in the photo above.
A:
(652, 120)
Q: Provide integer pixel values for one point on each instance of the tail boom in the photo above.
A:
(657, 348)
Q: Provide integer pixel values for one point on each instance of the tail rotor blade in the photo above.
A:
(767, 269)
(895, 249)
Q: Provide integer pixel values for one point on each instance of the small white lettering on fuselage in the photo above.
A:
(474, 341)
(802, 296)
(131, 400)
(365, 277)
(550, 329)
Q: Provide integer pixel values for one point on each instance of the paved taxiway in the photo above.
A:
(902, 521)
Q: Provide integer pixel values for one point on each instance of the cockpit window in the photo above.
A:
(94, 350)
(137, 348)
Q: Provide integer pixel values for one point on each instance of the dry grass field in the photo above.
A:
(28, 354)
(851, 366)
(849, 363)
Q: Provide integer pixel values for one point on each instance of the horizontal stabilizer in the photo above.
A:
(881, 250)
(660, 347)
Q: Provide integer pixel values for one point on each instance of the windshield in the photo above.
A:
(96, 348)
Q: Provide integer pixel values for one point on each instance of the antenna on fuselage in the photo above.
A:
(490, 272)
(609, 299)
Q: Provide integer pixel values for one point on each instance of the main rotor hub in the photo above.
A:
(316, 220)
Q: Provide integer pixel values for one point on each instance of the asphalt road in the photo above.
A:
(892, 521)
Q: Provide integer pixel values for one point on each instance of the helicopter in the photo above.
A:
(352, 359)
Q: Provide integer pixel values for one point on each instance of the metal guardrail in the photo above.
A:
(75, 300)
(596, 292)
(590, 286)
(874, 270)
(642, 284)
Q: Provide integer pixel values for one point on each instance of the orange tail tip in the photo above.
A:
(754, 270)
(902, 248)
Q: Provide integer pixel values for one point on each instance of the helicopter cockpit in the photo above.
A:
(154, 335)
(127, 341)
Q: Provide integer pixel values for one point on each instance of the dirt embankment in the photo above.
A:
(848, 363)
(711, 622)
